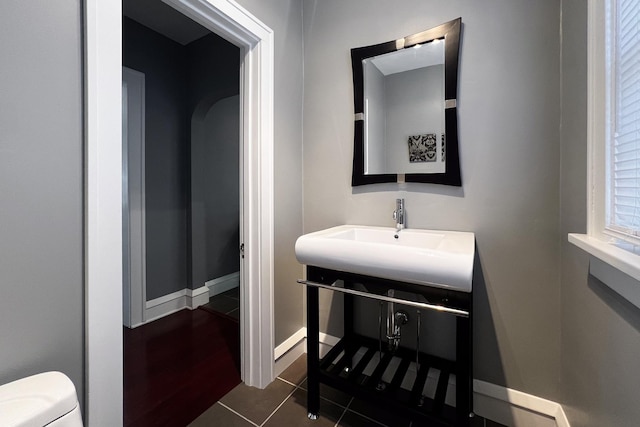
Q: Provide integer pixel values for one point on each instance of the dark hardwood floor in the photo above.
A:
(178, 366)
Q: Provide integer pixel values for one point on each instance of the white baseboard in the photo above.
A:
(223, 284)
(326, 343)
(197, 297)
(176, 301)
(289, 343)
(289, 351)
(510, 407)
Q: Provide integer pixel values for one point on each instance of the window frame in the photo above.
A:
(596, 120)
(609, 11)
(620, 253)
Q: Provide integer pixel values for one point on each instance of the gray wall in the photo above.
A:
(215, 171)
(284, 17)
(163, 63)
(600, 329)
(509, 115)
(41, 190)
(214, 75)
(182, 84)
(509, 97)
(415, 106)
(214, 71)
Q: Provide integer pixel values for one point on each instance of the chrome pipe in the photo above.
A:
(440, 308)
(391, 323)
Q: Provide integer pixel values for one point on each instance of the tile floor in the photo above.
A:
(284, 403)
(226, 303)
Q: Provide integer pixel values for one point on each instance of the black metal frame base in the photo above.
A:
(341, 373)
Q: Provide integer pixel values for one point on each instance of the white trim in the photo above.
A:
(625, 285)
(103, 213)
(289, 351)
(289, 343)
(103, 216)
(173, 302)
(496, 403)
(617, 268)
(598, 241)
(126, 252)
(621, 259)
(229, 20)
(293, 347)
(197, 297)
(163, 300)
(289, 357)
(134, 218)
(491, 401)
(561, 418)
(192, 301)
(193, 293)
(166, 305)
(596, 100)
(223, 283)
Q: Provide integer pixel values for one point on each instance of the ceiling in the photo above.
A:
(164, 19)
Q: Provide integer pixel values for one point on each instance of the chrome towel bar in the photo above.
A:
(440, 308)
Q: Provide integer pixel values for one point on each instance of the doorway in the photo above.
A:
(104, 195)
(190, 160)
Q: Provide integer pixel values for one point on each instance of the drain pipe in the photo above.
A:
(395, 320)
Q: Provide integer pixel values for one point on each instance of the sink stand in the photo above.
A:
(341, 372)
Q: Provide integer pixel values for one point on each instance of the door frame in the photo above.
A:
(134, 289)
(103, 195)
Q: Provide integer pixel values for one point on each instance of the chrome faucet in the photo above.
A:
(398, 214)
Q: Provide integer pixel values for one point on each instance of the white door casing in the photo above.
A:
(103, 195)
(133, 198)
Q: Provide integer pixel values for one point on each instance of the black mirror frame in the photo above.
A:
(450, 32)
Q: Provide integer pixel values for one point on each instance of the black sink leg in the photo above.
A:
(313, 347)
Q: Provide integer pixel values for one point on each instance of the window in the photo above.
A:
(622, 65)
(613, 234)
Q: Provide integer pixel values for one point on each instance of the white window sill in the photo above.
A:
(616, 267)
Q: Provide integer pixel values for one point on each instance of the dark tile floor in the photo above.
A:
(283, 403)
(226, 303)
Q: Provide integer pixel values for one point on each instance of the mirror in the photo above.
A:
(405, 109)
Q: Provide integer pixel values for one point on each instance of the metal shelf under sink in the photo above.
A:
(356, 364)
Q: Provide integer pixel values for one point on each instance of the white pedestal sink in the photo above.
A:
(436, 258)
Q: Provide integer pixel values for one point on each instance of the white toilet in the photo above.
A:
(47, 399)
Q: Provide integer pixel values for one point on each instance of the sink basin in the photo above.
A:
(436, 258)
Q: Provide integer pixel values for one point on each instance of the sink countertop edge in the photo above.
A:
(341, 258)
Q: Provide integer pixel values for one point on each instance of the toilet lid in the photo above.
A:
(36, 400)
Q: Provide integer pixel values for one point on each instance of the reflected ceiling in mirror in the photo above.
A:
(405, 114)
